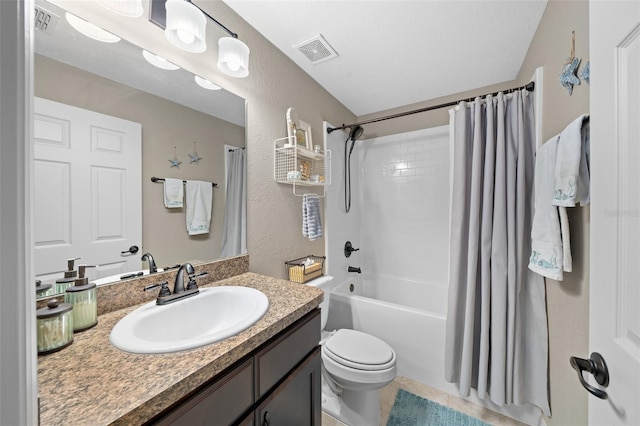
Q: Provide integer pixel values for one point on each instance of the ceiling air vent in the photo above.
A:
(44, 20)
(316, 49)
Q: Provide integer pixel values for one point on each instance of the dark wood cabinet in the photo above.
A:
(277, 384)
(297, 401)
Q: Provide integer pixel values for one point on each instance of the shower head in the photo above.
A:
(356, 132)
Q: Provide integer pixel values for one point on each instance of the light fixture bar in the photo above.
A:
(231, 33)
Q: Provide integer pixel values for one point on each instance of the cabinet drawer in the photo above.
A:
(279, 357)
(220, 403)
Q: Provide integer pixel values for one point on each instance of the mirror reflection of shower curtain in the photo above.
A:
(234, 231)
(496, 338)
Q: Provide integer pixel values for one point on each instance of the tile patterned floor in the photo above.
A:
(388, 396)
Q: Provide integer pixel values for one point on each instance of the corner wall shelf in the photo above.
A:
(300, 167)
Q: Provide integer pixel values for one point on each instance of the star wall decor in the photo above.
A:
(194, 158)
(175, 162)
(568, 76)
(586, 73)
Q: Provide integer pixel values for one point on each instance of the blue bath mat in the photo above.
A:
(412, 410)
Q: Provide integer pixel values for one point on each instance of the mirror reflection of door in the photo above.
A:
(87, 174)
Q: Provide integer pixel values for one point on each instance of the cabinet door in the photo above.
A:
(218, 404)
(297, 400)
(274, 361)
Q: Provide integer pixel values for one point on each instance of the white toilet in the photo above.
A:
(354, 366)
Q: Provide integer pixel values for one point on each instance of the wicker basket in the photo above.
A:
(298, 272)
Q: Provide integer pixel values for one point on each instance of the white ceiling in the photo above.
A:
(394, 53)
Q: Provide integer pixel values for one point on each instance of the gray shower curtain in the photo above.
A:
(496, 337)
(234, 231)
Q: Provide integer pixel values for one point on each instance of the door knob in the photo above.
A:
(597, 367)
(132, 250)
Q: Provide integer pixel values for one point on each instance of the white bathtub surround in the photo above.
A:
(496, 340)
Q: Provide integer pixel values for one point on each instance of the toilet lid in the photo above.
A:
(359, 350)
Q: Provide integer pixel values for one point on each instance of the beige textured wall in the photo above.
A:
(567, 301)
(163, 230)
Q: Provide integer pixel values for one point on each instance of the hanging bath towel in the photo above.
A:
(547, 252)
(199, 202)
(311, 222)
(572, 165)
(173, 193)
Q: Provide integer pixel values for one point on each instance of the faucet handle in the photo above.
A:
(191, 285)
(164, 288)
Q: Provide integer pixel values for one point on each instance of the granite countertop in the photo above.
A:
(92, 382)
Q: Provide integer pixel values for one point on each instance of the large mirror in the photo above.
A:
(187, 132)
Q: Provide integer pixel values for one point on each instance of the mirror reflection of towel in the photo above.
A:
(199, 201)
(173, 193)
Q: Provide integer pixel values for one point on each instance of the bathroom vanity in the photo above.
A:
(275, 384)
(267, 374)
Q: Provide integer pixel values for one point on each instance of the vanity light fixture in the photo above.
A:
(128, 8)
(90, 30)
(185, 27)
(233, 57)
(159, 61)
(206, 84)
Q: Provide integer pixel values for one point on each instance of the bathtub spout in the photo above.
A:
(354, 269)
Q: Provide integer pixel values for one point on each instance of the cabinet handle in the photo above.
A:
(266, 420)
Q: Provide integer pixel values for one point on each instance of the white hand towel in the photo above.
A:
(572, 164)
(173, 193)
(199, 201)
(547, 254)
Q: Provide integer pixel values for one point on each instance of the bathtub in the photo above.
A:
(409, 315)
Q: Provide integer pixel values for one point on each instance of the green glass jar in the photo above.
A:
(82, 296)
(55, 327)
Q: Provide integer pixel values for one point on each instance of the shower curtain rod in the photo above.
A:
(529, 86)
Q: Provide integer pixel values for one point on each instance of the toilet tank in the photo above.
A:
(326, 284)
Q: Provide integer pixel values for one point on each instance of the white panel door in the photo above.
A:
(87, 189)
(615, 209)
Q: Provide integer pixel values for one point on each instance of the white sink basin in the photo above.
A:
(212, 315)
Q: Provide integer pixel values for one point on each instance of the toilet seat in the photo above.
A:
(358, 350)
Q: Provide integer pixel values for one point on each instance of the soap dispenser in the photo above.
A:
(69, 277)
(82, 296)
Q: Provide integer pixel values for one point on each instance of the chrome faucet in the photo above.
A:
(152, 263)
(179, 291)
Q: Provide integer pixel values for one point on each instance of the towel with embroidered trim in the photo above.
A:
(199, 202)
(173, 193)
(572, 178)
